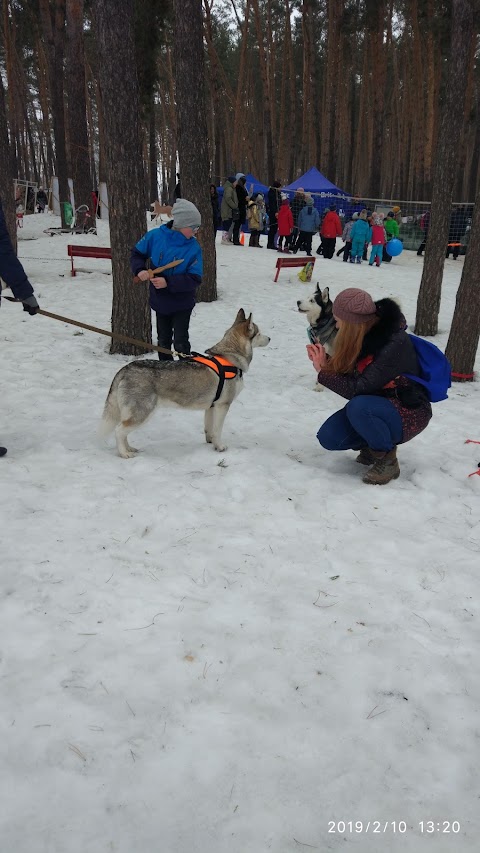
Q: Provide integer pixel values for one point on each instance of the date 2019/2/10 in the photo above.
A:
(425, 827)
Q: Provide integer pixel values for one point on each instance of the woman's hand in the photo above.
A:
(317, 355)
(143, 275)
(158, 282)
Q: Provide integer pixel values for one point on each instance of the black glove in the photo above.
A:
(31, 305)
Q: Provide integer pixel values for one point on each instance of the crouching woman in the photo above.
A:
(372, 353)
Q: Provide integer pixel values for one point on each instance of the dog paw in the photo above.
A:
(319, 387)
(220, 448)
(128, 454)
(208, 439)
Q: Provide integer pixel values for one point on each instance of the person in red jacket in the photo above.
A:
(331, 229)
(285, 225)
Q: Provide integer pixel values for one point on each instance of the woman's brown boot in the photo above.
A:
(384, 469)
(365, 457)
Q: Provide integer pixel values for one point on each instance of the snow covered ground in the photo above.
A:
(205, 653)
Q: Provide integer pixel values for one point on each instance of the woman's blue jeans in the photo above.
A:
(366, 421)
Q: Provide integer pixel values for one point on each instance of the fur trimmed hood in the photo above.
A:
(391, 321)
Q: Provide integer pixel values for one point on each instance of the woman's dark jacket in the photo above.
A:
(387, 354)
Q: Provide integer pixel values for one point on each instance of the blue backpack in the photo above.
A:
(435, 370)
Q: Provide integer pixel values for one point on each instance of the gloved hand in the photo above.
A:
(31, 305)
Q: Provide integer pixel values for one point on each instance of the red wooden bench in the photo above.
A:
(88, 252)
(292, 262)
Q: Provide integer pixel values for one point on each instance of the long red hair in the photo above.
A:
(348, 345)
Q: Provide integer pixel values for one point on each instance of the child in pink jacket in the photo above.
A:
(379, 239)
(285, 225)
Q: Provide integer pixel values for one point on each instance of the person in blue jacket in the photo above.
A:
(308, 222)
(14, 276)
(360, 234)
(172, 296)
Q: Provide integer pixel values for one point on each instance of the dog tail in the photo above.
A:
(111, 412)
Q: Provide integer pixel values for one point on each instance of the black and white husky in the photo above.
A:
(322, 325)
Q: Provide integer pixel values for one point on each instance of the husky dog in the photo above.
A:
(141, 386)
(322, 329)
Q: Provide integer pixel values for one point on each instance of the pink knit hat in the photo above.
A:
(354, 306)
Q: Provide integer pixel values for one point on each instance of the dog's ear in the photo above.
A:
(240, 318)
(325, 295)
(318, 287)
(250, 322)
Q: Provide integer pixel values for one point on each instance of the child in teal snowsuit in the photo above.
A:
(360, 234)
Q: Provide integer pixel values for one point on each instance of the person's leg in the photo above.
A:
(365, 249)
(337, 433)
(181, 321)
(421, 248)
(308, 243)
(226, 224)
(280, 244)
(236, 232)
(271, 235)
(376, 420)
(164, 334)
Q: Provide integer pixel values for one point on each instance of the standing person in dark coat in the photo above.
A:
(215, 209)
(298, 202)
(242, 197)
(372, 354)
(425, 226)
(177, 191)
(273, 204)
(14, 276)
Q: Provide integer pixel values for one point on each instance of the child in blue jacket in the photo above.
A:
(308, 222)
(360, 234)
(172, 296)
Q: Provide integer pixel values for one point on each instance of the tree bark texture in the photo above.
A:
(429, 296)
(131, 313)
(77, 105)
(53, 25)
(464, 334)
(192, 136)
(6, 172)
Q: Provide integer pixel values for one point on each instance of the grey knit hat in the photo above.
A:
(185, 215)
(354, 306)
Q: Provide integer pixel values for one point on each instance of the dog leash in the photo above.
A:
(114, 335)
(125, 339)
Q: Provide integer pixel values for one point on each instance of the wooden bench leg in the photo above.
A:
(277, 274)
(73, 268)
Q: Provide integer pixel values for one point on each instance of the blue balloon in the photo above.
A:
(394, 247)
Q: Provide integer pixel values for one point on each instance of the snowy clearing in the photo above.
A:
(201, 657)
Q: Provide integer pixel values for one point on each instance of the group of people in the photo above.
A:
(364, 228)
(372, 352)
(459, 220)
(293, 223)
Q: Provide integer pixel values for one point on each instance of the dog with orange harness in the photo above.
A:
(210, 382)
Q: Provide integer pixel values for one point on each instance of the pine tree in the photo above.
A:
(464, 334)
(192, 130)
(124, 167)
(428, 305)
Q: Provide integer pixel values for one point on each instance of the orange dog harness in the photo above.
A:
(221, 366)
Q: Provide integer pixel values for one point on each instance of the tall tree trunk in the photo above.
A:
(131, 313)
(6, 172)
(77, 104)
(465, 329)
(152, 152)
(429, 295)
(267, 112)
(192, 130)
(54, 34)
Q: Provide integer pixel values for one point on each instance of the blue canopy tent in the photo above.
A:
(324, 192)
